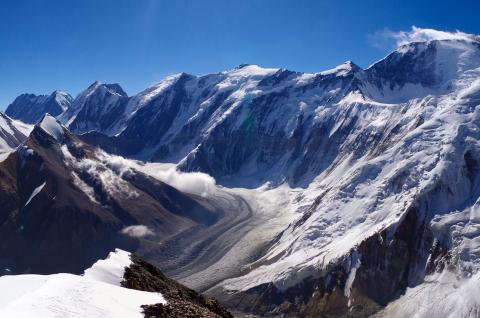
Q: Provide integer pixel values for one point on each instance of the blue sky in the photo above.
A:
(67, 44)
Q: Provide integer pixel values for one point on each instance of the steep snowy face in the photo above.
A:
(395, 214)
(245, 122)
(97, 108)
(253, 125)
(12, 134)
(30, 108)
(418, 69)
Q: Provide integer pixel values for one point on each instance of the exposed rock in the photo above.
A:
(182, 302)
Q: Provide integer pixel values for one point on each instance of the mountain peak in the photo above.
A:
(94, 85)
(247, 70)
(51, 126)
(30, 108)
(114, 88)
(431, 64)
(343, 69)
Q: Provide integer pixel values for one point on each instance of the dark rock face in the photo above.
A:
(50, 222)
(30, 108)
(415, 66)
(182, 302)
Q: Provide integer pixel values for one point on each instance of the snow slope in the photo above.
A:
(12, 134)
(362, 195)
(443, 295)
(95, 294)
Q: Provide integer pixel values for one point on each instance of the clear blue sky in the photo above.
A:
(67, 44)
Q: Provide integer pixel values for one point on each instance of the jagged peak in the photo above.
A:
(51, 126)
(472, 42)
(94, 85)
(432, 64)
(59, 93)
(243, 65)
(344, 69)
(114, 88)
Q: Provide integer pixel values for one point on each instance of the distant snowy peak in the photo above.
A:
(30, 108)
(343, 69)
(100, 107)
(97, 90)
(144, 97)
(429, 64)
(249, 70)
(62, 98)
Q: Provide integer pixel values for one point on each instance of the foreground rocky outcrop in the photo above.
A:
(182, 302)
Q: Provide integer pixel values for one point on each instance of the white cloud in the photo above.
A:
(193, 182)
(387, 37)
(137, 231)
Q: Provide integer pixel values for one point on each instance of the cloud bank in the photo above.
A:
(137, 231)
(387, 37)
(193, 182)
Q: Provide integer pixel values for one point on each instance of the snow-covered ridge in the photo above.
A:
(111, 269)
(95, 294)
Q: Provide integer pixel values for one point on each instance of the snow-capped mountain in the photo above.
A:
(12, 134)
(99, 108)
(275, 124)
(378, 168)
(30, 108)
(387, 158)
(395, 205)
(65, 204)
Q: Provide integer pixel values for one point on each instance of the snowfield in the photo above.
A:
(95, 294)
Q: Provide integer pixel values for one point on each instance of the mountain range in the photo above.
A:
(345, 193)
